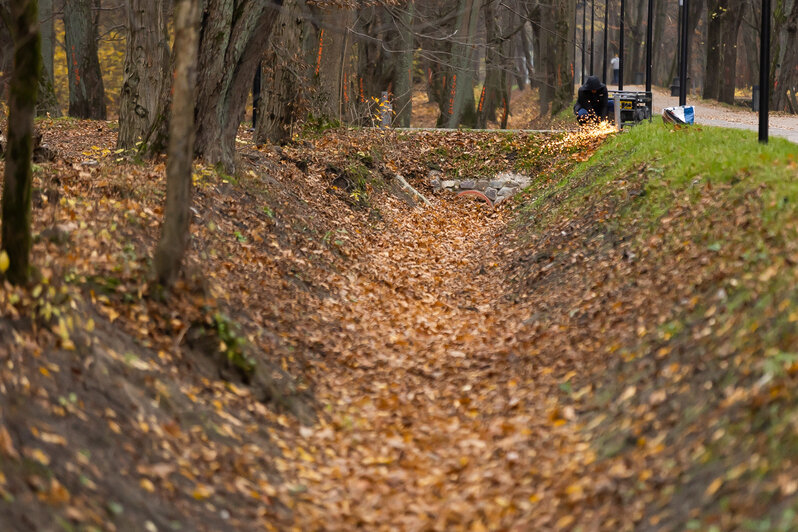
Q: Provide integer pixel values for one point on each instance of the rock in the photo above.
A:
(435, 174)
(520, 180)
(508, 191)
(91, 163)
(436, 184)
(499, 200)
(43, 154)
(491, 193)
(449, 184)
(468, 184)
(482, 185)
(496, 183)
(59, 233)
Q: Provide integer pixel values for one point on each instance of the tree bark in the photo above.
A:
(86, 92)
(557, 90)
(47, 103)
(147, 67)
(333, 45)
(787, 77)
(403, 78)
(716, 11)
(282, 76)
(462, 108)
(177, 215)
(16, 202)
(233, 35)
(728, 40)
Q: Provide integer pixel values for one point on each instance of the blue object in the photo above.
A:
(689, 114)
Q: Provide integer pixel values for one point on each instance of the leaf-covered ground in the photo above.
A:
(615, 351)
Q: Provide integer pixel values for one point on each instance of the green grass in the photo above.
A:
(676, 160)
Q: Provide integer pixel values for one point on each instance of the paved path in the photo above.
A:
(714, 114)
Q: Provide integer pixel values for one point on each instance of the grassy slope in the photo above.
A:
(687, 389)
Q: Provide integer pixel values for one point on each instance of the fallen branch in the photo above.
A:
(407, 186)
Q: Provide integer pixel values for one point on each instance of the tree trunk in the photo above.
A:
(177, 215)
(403, 78)
(147, 66)
(557, 90)
(462, 109)
(281, 80)
(6, 46)
(787, 78)
(16, 202)
(716, 12)
(86, 92)
(233, 34)
(47, 103)
(728, 40)
(333, 45)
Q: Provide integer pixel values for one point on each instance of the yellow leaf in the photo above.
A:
(202, 492)
(4, 262)
(715, 486)
(147, 485)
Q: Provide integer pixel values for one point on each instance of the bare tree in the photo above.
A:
(86, 91)
(177, 215)
(16, 203)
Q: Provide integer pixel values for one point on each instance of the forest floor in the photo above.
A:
(613, 350)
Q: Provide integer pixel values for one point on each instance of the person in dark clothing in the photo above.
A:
(591, 104)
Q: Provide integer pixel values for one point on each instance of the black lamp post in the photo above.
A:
(592, 21)
(764, 72)
(649, 37)
(604, 66)
(620, 53)
(683, 53)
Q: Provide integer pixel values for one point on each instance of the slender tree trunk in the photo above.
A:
(147, 66)
(16, 202)
(660, 76)
(47, 103)
(233, 36)
(282, 75)
(403, 84)
(462, 109)
(333, 45)
(716, 12)
(729, 33)
(177, 215)
(557, 90)
(47, 31)
(787, 79)
(86, 92)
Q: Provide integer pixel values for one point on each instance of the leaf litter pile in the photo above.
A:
(338, 356)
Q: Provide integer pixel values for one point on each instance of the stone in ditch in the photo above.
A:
(482, 184)
(436, 184)
(508, 191)
(491, 193)
(449, 184)
(468, 184)
(497, 184)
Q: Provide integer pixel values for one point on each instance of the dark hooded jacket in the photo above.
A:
(593, 97)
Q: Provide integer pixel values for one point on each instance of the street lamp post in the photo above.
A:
(683, 53)
(604, 66)
(649, 36)
(764, 72)
(592, 21)
(620, 53)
